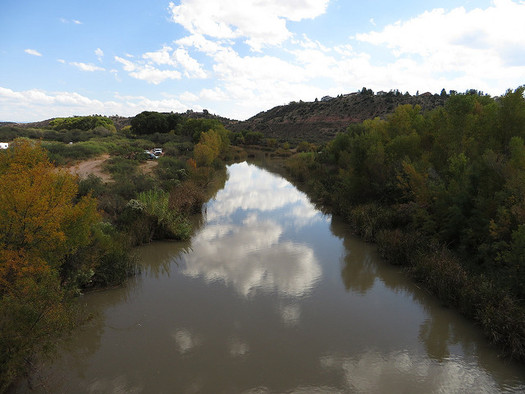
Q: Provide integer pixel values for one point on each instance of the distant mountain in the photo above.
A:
(321, 120)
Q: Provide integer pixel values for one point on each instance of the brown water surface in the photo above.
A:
(272, 296)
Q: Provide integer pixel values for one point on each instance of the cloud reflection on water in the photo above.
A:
(250, 257)
(185, 340)
(250, 188)
(402, 371)
(244, 243)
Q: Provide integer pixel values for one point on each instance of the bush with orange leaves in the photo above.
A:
(41, 225)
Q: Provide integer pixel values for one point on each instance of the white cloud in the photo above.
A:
(255, 83)
(33, 52)
(74, 21)
(160, 57)
(178, 63)
(481, 47)
(260, 23)
(215, 94)
(87, 66)
(192, 68)
(457, 49)
(188, 96)
(33, 105)
(201, 43)
(454, 49)
(61, 61)
(128, 65)
(154, 75)
(99, 53)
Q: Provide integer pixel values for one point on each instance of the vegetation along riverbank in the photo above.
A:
(442, 193)
(61, 235)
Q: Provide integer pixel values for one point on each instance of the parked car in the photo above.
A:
(157, 151)
(147, 155)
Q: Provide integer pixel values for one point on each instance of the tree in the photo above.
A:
(512, 115)
(37, 210)
(148, 122)
(84, 123)
(208, 149)
(40, 226)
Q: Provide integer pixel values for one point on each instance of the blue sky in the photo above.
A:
(239, 57)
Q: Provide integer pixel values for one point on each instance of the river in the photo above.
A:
(272, 296)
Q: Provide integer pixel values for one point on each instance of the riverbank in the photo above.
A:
(442, 194)
(436, 267)
(267, 283)
(90, 201)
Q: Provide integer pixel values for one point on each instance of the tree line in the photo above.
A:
(443, 194)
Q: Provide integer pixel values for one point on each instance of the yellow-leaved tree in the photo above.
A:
(41, 224)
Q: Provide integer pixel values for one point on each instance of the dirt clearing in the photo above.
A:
(95, 167)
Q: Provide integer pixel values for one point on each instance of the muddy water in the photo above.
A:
(272, 296)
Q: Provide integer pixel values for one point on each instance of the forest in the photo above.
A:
(442, 193)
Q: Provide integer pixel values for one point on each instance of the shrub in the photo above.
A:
(168, 222)
(187, 198)
(170, 172)
(91, 184)
(120, 166)
(115, 263)
(60, 153)
(397, 246)
(441, 273)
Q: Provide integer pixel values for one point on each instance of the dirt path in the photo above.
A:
(91, 166)
(148, 166)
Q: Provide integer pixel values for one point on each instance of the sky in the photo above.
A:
(237, 58)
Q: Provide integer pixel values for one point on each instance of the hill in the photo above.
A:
(316, 121)
(321, 120)
(123, 121)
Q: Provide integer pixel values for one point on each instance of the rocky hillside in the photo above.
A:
(321, 120)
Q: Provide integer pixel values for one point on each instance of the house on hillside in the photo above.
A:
(4, 145)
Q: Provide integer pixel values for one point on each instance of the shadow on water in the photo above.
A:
(444, 333)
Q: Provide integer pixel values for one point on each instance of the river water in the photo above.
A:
(272, 296)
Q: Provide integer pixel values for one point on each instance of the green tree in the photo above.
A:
(149, 122)
(208, 148)
(84, 123)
